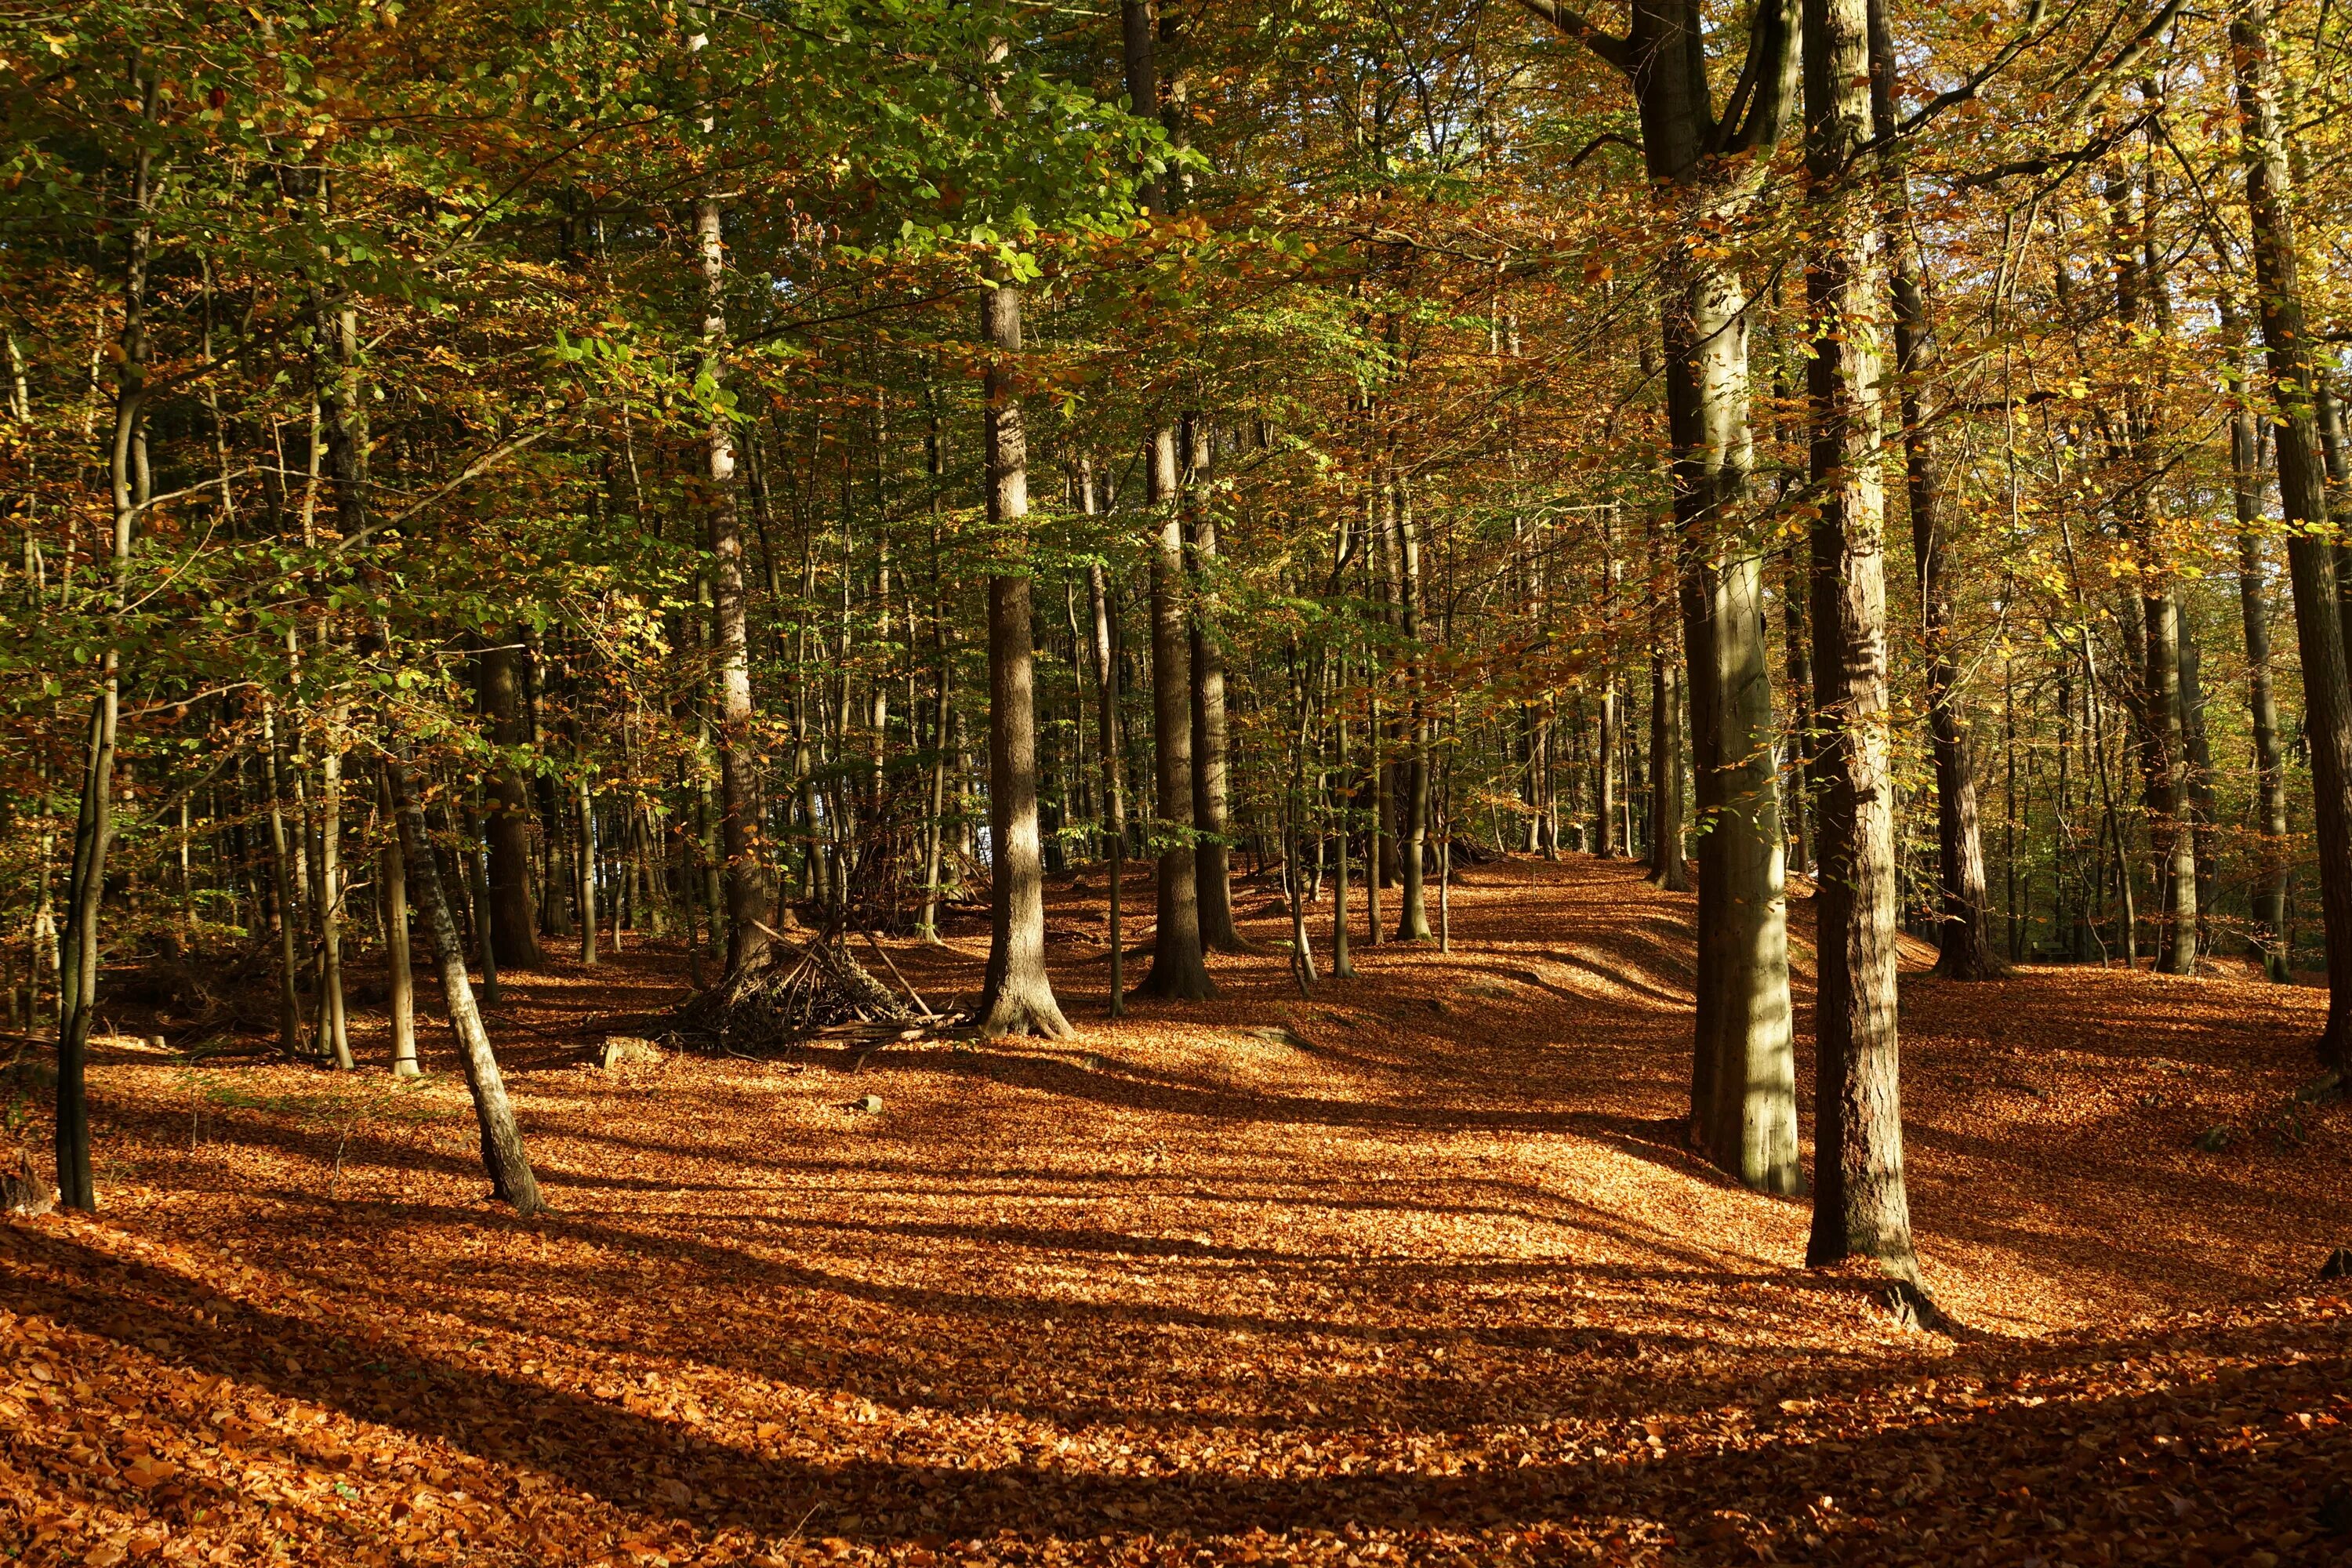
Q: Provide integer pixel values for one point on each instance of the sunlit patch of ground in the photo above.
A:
(1415, 1270)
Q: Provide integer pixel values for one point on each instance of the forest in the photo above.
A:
(1348, 782)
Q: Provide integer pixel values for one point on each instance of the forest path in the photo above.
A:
(1416, 1269)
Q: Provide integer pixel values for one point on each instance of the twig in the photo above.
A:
(912, 994)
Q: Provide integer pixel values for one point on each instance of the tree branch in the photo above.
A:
(1617, 51)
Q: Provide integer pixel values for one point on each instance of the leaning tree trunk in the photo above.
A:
(1964, 935)
(502, 1151)
(1859, 1202)
(2287, 340)
(1016, 998)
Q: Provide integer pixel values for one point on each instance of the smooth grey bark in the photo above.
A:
(1212, 851)
(1669, 869)
(1412, 852)
(281, 867)
(1017, 996)
(1177, 967)
(2319, 631)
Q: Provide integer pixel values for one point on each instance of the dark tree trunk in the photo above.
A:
(514, 924)
(1964, 934)
(2327, 718)
(1178, 970)
(2268, 893)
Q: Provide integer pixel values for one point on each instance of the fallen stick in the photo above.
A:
(912, 994)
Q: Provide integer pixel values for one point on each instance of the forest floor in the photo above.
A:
(1416, 1271)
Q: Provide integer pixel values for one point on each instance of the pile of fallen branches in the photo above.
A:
(798, 991)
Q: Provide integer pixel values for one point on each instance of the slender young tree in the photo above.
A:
(1964, 943)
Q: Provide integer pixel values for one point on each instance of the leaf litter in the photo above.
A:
(1353, 1280)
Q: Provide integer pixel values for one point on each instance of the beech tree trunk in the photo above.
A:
(1412, 852)
(503, 1156)
(1179, 970)
(2319, 634)
(1016, 998)
(1211, 854)
(1860, 1206)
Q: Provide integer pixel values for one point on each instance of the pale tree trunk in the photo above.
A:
(94, 828)
(2269, 891)
(1103, 642)
(1212, 854)
(2327, 718)
(281, 867)
(1668, 868)
(1964, 935)
(1859, 1201)
(502, 1151)
(402, 985)
(1609, 740)
(1016, 998)
(745, 885)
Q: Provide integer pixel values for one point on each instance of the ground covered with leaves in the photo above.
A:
(1416, 1271)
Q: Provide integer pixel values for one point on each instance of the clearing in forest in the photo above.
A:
(1416, 1270)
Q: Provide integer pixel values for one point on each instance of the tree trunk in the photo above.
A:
(1669, 869)
(1412, 852)
(402, 984)
(514, 921)
(745, 885)
(1211, 854)
(2327, 718)
(94, 828)
(1859, 1202)
(1104, 645)
(1178, 970)
(1016, 998)
(1964, 934)
(2268, 894)
(502, 1151)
